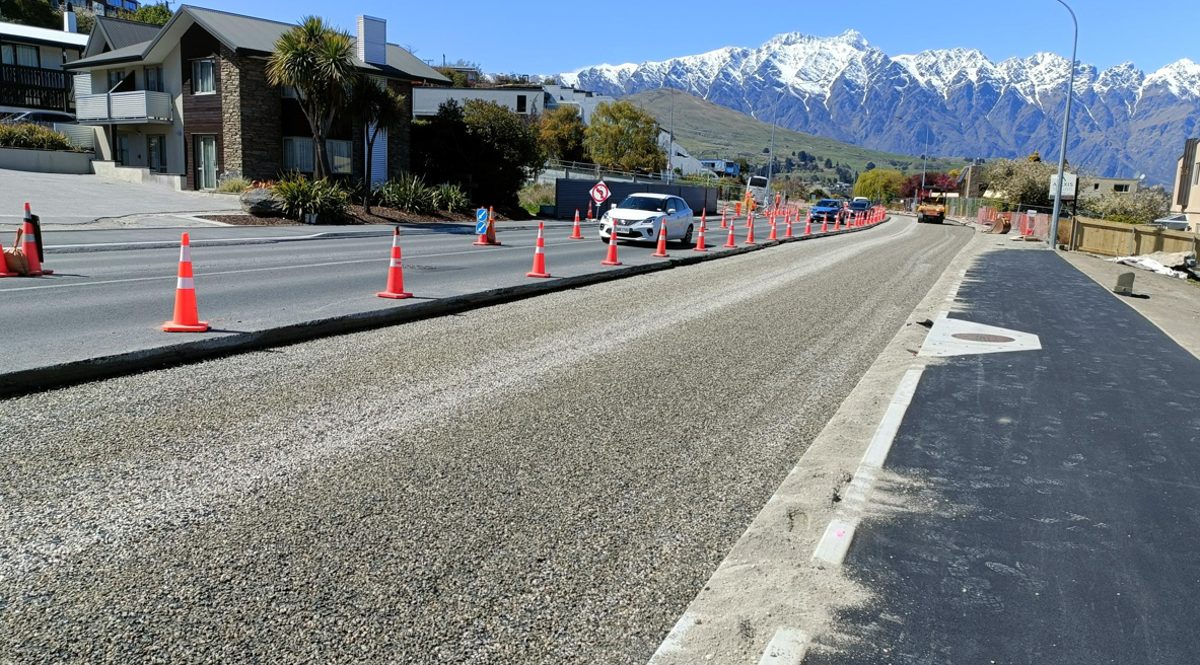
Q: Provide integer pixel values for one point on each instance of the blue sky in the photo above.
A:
(546, 37)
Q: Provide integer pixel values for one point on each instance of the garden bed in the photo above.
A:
(355, 216)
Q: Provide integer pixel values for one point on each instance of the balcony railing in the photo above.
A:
(136, 106)
(36, 88)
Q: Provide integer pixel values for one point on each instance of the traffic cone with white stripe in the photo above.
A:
(700, 240)
(29, 247)
(724, 222)
(187, 317)
(589, 211)
(824, 224)
(787, 219)
(576, 235)
(539, 256)
(750, 229)
(612, 247)
(703, 217)
(732, 241)
(661, 251)
(395, 284)
(774, 226)
(808, 224)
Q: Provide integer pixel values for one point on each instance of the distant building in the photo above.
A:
(680, 159)
(521, 99)
(723, 167)
(970, 182)
(1094, 187)
(1186, 200)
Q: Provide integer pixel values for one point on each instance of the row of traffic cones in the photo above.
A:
(187, 319)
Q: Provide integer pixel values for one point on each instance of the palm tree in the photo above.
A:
(376, 108)
(317, 61)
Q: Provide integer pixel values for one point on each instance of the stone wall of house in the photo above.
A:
(250, 118)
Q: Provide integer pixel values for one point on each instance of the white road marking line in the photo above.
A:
(786, 647)
(835, 543)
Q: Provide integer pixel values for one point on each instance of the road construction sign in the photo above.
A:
(481, 221)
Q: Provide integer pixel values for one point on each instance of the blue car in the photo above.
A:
(828, 210)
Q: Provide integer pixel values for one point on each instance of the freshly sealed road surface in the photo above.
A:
(549, 481)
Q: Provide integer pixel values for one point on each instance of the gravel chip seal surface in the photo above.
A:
(549, 481)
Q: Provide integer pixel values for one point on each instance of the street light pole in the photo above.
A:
(771, 155)
(671, 142)
(1062, 153)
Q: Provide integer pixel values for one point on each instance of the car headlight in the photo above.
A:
(649, 222)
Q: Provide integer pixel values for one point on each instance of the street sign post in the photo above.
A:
(600, 192)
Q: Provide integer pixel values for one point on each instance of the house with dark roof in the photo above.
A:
(192, 102)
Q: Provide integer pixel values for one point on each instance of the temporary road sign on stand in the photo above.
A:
(481, 221)
(600, 192)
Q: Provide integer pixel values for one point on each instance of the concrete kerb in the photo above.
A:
(66, 374)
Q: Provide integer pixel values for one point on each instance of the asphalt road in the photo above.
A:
(101, 303)
(547, 481)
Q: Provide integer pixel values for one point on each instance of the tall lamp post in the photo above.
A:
(1062, 153)
(771, 155)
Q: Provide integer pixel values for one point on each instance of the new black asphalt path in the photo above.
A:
(101, 303)
(1047, 504)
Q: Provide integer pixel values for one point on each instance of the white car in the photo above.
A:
(639, 216)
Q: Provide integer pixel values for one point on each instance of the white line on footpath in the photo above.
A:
(786, 647)
(835, 543)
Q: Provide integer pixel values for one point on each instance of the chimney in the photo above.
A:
(70, 24)
(372, 40)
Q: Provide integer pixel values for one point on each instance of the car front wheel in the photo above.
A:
(687, 236)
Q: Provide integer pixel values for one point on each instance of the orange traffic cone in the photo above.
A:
(612, 247)
(539, 256)
(732, 241)
(824, 224)
(808, 224)
(700, 240)
(575, 235)
(489, 237)
(661, 251)
(589, 211)
(4, 265)
(836, 221)
(187, 317)
(29, 247)
(703, 217)
(724, 223)
(774, 226)
(750, 227)
(787, 220)
(395, 283)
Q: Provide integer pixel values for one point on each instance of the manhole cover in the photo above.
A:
(983, 337)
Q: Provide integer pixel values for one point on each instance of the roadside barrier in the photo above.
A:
(700, 239)
(489, 237)
(661, 251)
(395, 281)
(29, 246)
(750, 229)
(539, 255)
(612, 247)
(187, 316)
(575, 235)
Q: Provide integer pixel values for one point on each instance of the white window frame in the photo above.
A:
(294, 164)
(344, 151)
(196, 64)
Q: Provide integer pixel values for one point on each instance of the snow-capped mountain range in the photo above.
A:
(1124, 121)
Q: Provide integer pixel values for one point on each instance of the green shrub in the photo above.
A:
(233, 185)
(302, 196)
(451, 198)
(36, 137)
(408, 193)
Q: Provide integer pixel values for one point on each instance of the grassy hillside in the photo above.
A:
(709, 131)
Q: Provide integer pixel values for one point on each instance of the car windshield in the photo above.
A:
(862, 205)
(827, 203)
(647, 203)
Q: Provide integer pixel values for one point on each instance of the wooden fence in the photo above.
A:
(1096, 236)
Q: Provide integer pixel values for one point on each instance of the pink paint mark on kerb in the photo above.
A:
(841, 533)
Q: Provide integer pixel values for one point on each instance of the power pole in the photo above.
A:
(1062, 153)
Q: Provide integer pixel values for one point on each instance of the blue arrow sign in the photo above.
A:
(481, 221)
